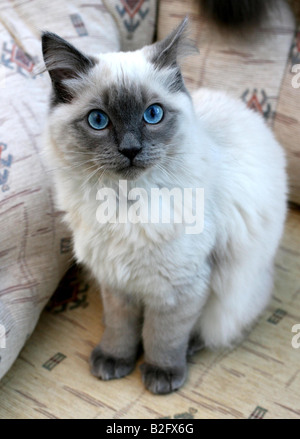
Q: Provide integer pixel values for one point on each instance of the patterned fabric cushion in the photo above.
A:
(287, 117)
(35, 247)
(136, 21)
(256, 68)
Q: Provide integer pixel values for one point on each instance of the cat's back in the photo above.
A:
(230, 122)
(242, 142)
(248, 165)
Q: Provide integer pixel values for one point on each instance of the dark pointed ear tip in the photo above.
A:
(47, 36)
(44, 36)
(184, 24)
(183, 29)
(186, 21)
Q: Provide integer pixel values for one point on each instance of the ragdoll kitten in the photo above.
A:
(129, 117)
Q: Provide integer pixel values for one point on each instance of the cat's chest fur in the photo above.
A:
(145, 261)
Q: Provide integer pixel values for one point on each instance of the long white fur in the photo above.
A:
(230, 152)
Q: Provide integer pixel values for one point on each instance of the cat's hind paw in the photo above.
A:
(195, 344)
(162, 381)
(107, 367)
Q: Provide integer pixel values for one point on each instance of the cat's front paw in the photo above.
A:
(107, 367)
(162, 381)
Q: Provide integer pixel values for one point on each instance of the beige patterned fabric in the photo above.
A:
(252, 67)
(35, 247)
(287, 117)
(136, 20)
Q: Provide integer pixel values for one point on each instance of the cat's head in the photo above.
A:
(119, 114)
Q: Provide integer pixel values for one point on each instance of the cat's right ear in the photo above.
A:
(63, 61)
(176, 45)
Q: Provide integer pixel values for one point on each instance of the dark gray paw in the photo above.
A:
(195, 345)
(108, 367)
(162, 381)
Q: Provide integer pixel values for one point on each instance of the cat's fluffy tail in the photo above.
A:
(236, 14)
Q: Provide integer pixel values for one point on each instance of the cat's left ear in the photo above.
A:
(176, 45)
(63, 61)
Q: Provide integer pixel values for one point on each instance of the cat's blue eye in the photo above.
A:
(153, 114)
(98, 120)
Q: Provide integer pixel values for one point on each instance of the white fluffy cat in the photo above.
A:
(128, 116)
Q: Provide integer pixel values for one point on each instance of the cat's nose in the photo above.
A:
(130, 152)
(129, 146)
